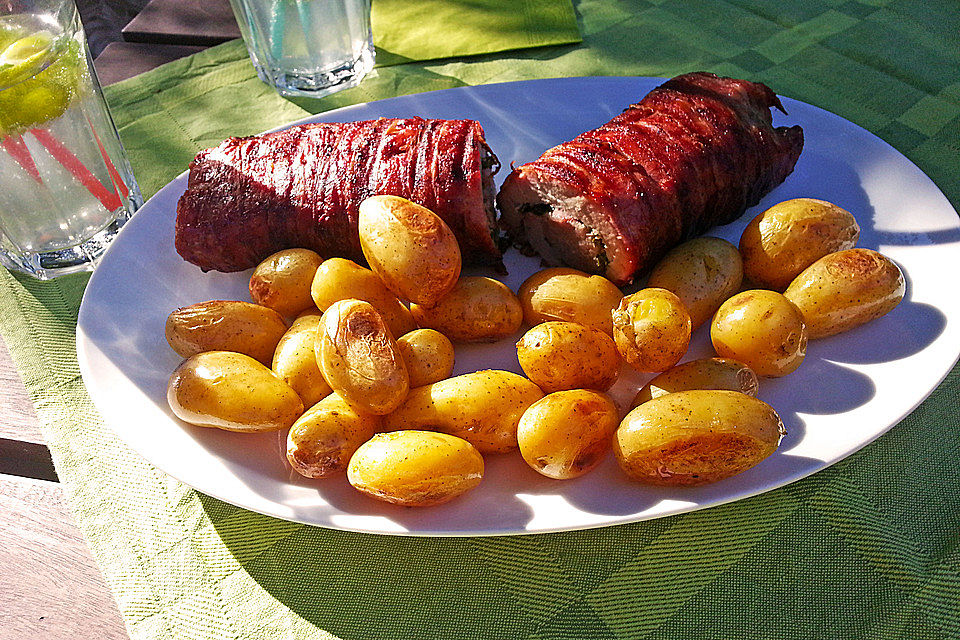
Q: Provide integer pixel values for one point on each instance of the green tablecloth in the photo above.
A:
(865, 549)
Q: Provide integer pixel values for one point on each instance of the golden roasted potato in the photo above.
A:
(790, 236)
(342, 279)
(282, 281)
(651, 329)
(846, 289)
(706, 373)
(415, 468)
(322, 440)
(483, 407)
(566, 294)
(566, 434)
(231, 391)
(359, 358)
(477, 309)
(762, 329)
(295, 360)
(428, 355)
(566, 355)
(225, 325)
(696, 437)
(410, 247)
(703, 272)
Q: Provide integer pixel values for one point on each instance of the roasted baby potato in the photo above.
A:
(483, 407)
(703, 272)
(428, 355)
(706, 373)
(696, 437)
(565, 294)
(410, 247)
(566, 434)
(295, 360)
(651, 329)
(225, 325)
(341, 279)
(231, 391)
(566, 355)
(762, 329)
(282, 281)
(846, 289)
(359, 358)
(477, 309)
(788, 237)
(322, 440)
(415, 468)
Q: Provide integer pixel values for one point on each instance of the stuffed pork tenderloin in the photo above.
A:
(694, 153)
(302, 187)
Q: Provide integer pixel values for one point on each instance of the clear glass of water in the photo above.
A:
(66, 186)
(307, 47)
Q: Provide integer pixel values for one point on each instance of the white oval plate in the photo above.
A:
(852, 387)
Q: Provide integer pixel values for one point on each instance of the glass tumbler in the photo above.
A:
(307, 47)
(66, 186)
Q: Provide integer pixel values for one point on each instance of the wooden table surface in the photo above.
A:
(163, 31)
(52, 586)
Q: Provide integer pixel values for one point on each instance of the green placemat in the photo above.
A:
(405, 31)
(864, 549)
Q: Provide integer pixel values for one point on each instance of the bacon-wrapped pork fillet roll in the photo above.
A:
(694, 153)
(301, 187)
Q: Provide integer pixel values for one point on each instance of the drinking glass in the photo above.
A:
(307, 47)
(66, 186)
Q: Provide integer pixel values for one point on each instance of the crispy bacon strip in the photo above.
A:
(250, 197)
(694, 153)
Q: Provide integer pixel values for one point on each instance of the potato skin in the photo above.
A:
(231, 391)
(321, 441)
(559, 293)
(428, 355)
(706, 373)
(696, 437)
(341, 279)
(790, 236)
(702, 272)
(566, 434)
(410, 247)
(225, 325)
(762, 329)
(846, 289)
(651, 329)
(295, 360)
(565, 355)
(415, 468)
(359, 358)
(282, 281)
(477, 309)
(483, 407)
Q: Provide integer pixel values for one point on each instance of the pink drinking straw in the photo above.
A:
(109, 200)
(118, 184)
(17, 148)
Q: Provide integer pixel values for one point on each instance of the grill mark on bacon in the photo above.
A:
(301, 187)
(680, 117)
(695, 152)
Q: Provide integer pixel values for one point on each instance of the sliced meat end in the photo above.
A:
(489, 166)
(564, 227)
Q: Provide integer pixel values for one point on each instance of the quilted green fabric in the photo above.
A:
(865, 549)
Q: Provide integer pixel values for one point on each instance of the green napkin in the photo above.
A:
(405, 31)
(866, 549)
